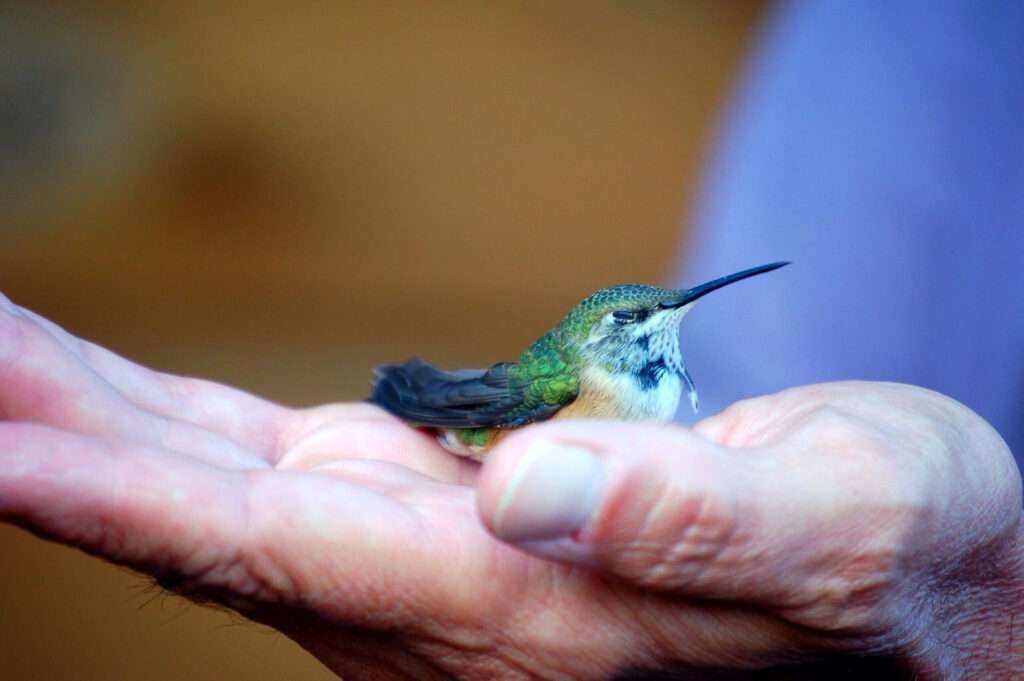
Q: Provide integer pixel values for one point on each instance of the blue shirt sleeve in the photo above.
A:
(880, 147)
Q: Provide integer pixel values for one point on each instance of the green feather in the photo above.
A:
(473, 437)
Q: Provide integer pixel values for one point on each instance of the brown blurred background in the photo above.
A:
(281, 195)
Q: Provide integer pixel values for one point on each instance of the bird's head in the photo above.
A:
(628, 327)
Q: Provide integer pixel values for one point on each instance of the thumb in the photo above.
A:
(655, 504)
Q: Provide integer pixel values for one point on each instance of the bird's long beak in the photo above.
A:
(689, 295)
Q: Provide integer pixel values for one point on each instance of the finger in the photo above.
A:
(363, 431)
(666, 509)
(252, 422)
(42, 382)
(142, 508)
(247, 539)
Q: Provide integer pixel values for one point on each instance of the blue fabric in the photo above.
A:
(880, 147)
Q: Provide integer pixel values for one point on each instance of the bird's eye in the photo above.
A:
(627, 316)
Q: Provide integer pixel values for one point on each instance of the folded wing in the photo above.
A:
(467, 398)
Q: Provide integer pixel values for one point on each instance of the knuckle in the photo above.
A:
(856, 594)
(682, 534)
(857, 576)
(836, 430)
(243, 573)
(227, 581)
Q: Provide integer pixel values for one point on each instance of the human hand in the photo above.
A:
(834, 521)
(340, 526)
(359, 538)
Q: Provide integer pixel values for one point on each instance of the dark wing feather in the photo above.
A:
(467, 398)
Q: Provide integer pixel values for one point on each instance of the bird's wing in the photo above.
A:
(470, 398)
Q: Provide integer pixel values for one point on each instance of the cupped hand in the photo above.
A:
(861, 524)
(828, 520)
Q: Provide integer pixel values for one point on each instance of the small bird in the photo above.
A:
(614, 356)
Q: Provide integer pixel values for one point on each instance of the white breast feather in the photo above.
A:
(631, 401)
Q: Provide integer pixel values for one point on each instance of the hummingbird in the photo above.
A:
(615, 355)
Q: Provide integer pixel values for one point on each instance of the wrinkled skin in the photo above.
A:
(818, 523)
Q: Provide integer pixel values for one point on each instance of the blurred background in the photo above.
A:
(282, 195)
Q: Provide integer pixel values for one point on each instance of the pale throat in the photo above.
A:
(638, 368)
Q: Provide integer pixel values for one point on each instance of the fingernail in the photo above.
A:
(553, 491)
